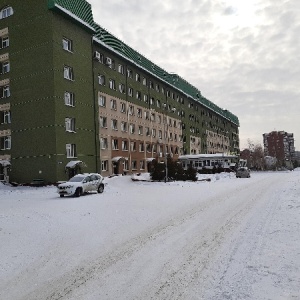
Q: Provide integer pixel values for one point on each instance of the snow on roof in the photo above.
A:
(5, 163)
(117, 158)
(71, 164)
(150, 158)
(201, 156)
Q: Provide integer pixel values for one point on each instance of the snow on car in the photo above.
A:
(81, 184)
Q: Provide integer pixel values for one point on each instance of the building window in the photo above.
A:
(6, 12)
(147, 131)
(138, 95)
(146, 98)
(160, 134)
(131, 110)
(130, 91)
(104, 165)
(152, 101)
(144, 81)
(148, 148)
(121, 88)
(5, 117)
(4, 42)
(114, 124)
(101, 79)
(5, 142)
(4, 91)
(113, 104)
(103, 122)
(102, 101)
(129, 73)
(134, 165)
(121, 69)
(141, 147)
(158, 103)
(137, 77)
(140, 130)
(146, 115)
(67, 44)
(71, 150)
(5, 67)
(133, 146)
(123, 107)
(158, 119)
(152, 117)
(114, 144)
(125, 165)
(112, 84)
(69, 99)
(99, 56)
(139, 112)
(142, 164)
(124, 145)
(110, 62)
(70, 124)
(124, 126)
(68, 73)
(153, 131)
(103, 143)
(132, 128)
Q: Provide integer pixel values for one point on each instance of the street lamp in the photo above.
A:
(165, 140)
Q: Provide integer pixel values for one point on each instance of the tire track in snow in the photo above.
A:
(170, 284)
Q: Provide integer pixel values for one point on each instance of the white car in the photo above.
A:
(80, 184)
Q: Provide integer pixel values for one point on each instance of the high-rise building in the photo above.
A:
(279, 144)
(75, 98)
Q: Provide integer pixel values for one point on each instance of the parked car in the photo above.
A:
(243, 172)
(80, 184)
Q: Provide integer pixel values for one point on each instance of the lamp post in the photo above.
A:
(165, 141)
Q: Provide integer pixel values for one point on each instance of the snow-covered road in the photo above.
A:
(225, 239)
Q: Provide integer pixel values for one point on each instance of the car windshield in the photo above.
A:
(76, 179)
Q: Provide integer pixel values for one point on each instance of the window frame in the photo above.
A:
(70, 124)
(67, 44)
(71, 150)
(69, 99)
(68, 73)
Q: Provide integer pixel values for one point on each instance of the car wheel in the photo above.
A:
(77, 192)
(100, 188)
(61, 196)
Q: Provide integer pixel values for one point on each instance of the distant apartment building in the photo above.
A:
(279, 144)
(73, 95)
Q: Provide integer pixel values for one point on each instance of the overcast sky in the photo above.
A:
(243, 55)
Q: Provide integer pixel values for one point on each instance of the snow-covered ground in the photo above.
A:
(224, 239)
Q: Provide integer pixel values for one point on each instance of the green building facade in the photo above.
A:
(57, 65)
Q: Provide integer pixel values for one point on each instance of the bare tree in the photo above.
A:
(256, 157)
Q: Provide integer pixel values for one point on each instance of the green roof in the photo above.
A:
(81, 11)
(173, 79)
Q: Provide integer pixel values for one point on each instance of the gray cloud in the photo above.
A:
(246, 63)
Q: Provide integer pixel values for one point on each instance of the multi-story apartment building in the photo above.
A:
(74, 96)
(279, 144)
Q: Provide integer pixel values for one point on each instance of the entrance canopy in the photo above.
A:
(5, 163)
(150, 159)
(117, 158)
(73, 163)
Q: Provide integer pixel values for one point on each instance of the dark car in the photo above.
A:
(243, 172)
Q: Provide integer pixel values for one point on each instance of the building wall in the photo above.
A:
(31, 84)
(79, 58)
(279, 144)
(42, 126)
